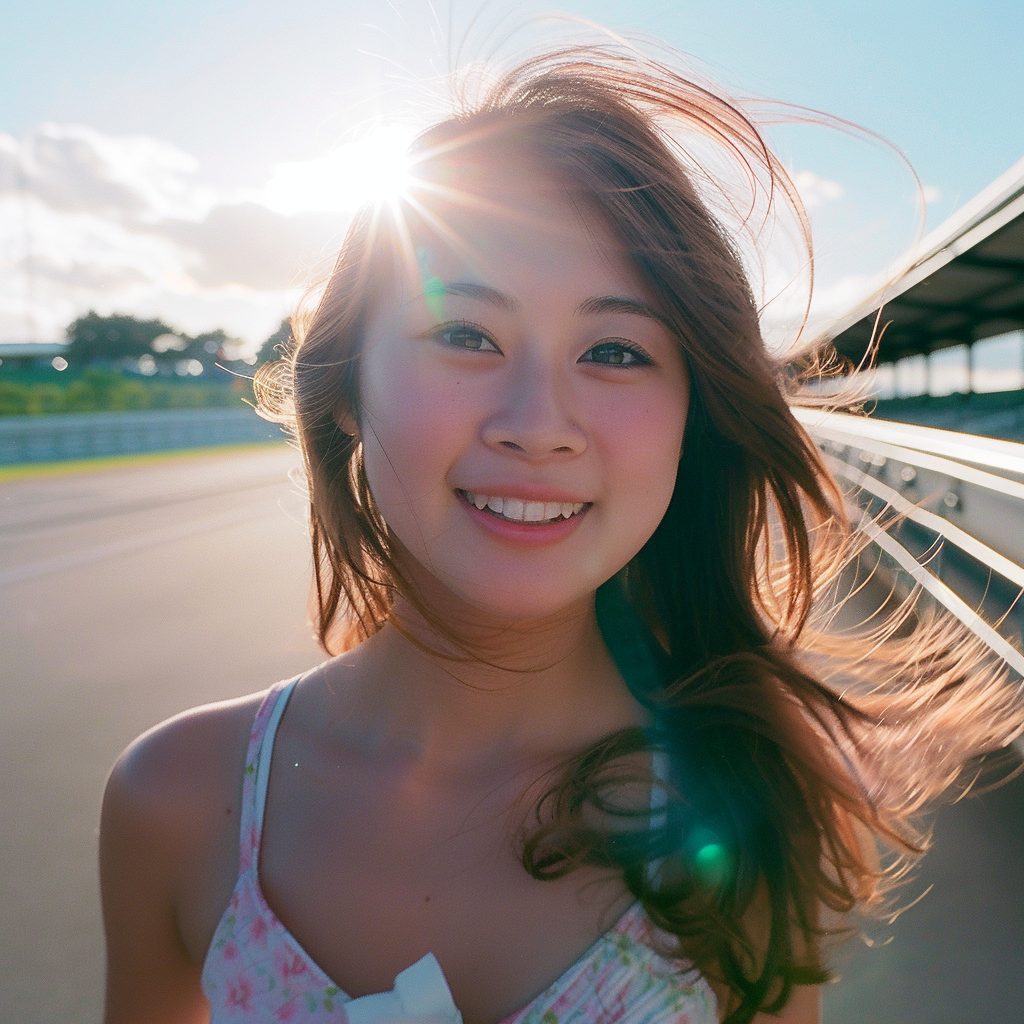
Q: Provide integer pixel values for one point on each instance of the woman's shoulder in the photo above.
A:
(176, 787)
(186, 759)
(169, 854)
(170, 821)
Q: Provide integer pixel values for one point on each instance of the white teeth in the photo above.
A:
(533, 512)
(513, 509)
(525, 511)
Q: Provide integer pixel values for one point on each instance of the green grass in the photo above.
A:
(25, 470)
(105, 391)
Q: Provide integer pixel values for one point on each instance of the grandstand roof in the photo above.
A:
(965, 282)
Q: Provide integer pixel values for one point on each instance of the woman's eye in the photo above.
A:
(464, 336)
(616, 353)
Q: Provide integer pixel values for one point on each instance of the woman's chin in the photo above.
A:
(507, 594)
(505, 605)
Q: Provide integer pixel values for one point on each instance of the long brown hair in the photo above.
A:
(790, 751)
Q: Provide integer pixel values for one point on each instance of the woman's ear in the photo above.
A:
(345, 419)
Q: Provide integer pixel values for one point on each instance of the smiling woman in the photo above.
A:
(548, 379)
(578, 755)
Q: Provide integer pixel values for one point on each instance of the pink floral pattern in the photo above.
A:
(256, 972)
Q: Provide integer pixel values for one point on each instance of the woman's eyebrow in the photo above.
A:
(617, 304)
(594, 306)
(482, 292)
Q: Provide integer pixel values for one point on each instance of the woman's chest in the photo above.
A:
(368, 884)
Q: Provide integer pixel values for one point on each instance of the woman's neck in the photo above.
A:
(488, 691)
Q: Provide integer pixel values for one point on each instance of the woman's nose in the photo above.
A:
(535, 416)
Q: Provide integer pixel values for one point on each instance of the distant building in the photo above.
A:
(31, 355)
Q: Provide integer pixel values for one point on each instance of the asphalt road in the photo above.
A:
(126, 596)
(129, 594)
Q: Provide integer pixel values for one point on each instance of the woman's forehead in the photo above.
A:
(514, 219)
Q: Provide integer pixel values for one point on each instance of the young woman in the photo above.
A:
(583, 756)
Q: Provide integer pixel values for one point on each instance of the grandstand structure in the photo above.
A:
(953, 499)
(965, 283)
(942, 512)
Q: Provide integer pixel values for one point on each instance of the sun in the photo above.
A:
(375, 167)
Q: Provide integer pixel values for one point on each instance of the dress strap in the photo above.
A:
(257, 770)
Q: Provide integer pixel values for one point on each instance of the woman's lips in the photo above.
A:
(526, 531)
(518, 510)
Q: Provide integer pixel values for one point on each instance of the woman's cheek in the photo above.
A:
(643, 439)
(391, 414)
(397, 395)
(419, 422)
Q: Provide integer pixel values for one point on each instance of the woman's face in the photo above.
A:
(522, 408)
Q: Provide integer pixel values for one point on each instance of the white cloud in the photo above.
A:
(783, 320)
(247, 244)
(92, 221)
(374, 165)
(77, 169)
(932, 193)
(31, 231)
(57, 264)
(815, 190)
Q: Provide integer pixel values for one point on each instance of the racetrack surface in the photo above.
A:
(126, 595)
(130, 593)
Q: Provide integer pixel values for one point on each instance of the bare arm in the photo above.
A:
(150, 977)
(169, 860)
(804, 1007)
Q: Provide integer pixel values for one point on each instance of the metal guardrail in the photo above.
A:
(990, 452)
(62, 437)
(975, 486)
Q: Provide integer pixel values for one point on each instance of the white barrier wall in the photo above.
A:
(93, 434)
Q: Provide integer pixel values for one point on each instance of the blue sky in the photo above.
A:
(236, 89)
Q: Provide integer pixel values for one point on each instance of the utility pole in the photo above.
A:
(28, 261)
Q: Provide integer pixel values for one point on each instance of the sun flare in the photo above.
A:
(375, 167)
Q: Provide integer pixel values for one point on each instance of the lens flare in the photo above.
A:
(709, 858)
(373, 168)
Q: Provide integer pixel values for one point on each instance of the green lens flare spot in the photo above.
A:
(710, 857)
(433, 286)
(433, 292)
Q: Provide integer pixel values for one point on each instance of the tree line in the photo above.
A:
(122, 363)
(126, 341)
